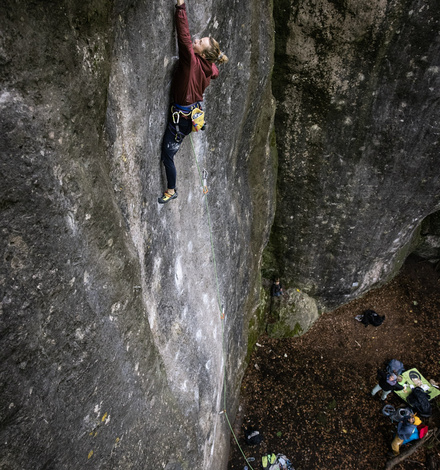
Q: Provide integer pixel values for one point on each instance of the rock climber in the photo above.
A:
(406, 432)
(277, 288)
(387, 383)
(196, 68)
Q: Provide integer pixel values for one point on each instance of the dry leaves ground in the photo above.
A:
(310, 397)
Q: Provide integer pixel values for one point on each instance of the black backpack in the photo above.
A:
(418, 399)
(252, 436)
(372, 318)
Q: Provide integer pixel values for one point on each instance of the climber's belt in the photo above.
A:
(185, 111)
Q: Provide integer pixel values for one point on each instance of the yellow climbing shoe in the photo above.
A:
(264, 461)
(167, 197)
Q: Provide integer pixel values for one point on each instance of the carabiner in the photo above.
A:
(176, 117)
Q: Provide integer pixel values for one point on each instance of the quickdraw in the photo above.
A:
(205, 182)
(176, 118)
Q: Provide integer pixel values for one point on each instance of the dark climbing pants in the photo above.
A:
(170, 146)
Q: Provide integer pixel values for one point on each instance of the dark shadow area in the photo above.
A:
(310, 396)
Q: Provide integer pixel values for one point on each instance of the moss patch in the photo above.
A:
(283, 330)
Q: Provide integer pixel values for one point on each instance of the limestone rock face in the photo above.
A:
(114, 350)
(358, 124)
(125, 325)
(292, 314)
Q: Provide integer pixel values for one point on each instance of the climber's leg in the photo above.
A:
(170, 146)
(172, 140)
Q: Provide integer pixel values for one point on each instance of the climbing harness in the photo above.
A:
(194, 112)
(203, 181)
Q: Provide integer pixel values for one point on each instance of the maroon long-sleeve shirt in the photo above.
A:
(193, 72)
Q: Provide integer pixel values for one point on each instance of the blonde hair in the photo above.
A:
(213, 52)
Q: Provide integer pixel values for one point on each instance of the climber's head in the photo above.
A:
(409, 419)
(209, 49)
(201, 45)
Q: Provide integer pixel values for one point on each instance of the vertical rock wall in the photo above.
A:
(358, 123)
(114, 350)
(113, 347)
(193, 259)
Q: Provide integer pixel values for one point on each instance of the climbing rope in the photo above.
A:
(203, 181)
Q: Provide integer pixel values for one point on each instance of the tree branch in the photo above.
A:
(401, 457)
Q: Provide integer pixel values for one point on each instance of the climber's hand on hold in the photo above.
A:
(180, 2)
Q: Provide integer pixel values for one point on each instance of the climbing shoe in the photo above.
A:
(264, 461)
(272, 458)
(167, 197)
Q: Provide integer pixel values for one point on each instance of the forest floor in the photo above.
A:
(310, 397)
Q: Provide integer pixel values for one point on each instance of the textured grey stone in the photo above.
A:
(428, 246)
(113, 350)
(292, 314)
(357, 88)
(113, 347)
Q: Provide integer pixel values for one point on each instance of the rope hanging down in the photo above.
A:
(203, 181)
